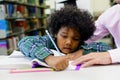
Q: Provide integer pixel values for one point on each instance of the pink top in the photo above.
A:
(109, 22)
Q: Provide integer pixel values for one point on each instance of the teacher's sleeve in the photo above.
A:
(115, 55)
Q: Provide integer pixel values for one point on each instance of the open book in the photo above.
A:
(18, 60)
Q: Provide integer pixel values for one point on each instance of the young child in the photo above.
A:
(69, 28)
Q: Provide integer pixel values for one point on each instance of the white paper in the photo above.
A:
(19, 60)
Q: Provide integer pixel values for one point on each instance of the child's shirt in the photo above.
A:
(40, 47)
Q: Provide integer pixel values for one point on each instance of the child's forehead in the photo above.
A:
(69, 28)
(66, 29)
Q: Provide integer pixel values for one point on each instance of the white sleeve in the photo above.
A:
(115, 55)
(100, 31)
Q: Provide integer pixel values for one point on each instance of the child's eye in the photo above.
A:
(76, 39)
(64, 36)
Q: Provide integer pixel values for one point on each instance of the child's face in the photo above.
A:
(68, 40)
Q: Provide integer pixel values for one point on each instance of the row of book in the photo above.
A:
(17, 19)
(36, 2)
(20, 11)
(7, 29)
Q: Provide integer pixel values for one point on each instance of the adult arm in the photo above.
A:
(101, 29)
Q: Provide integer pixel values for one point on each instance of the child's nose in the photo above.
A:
(69, 41)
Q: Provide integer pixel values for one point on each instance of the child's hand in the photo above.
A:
(75, 55)
(57, 62)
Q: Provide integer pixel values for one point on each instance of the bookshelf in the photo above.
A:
(20, 18)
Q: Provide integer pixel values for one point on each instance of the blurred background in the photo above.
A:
(20, 18)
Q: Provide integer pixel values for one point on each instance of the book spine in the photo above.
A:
(3, 47)
(10, 10)
(2, 12)
(3, 28)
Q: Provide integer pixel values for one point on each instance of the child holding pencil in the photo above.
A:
(69, 28)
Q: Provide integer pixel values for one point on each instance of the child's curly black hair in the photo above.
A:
(72, 17)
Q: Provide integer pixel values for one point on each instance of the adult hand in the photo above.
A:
(57, 62)
(93, 58)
